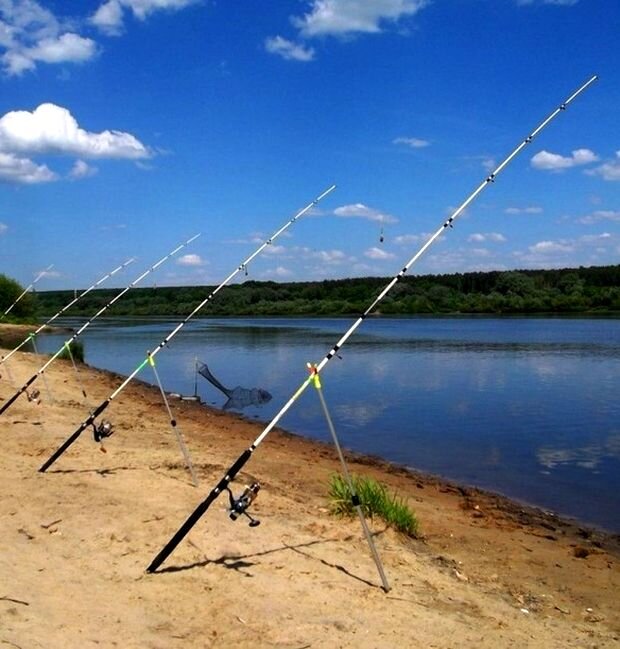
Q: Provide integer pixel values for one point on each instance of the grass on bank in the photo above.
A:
(375, 500)
(77, 351)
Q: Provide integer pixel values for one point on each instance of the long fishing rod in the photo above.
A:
(151, 355)
(65, 308)
(68, 342)
(241, 461)
(36, 279)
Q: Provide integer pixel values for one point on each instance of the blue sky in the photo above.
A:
(127, 126)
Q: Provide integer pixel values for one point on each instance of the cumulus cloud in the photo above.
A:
(191, 260)
(413, 142)
(288, 49)
(554, 162)
(378, 254)
(52, 129)
(551, 247)
(3, 228)
(14, 169)
(109, 17)
(480, 237)
(533, 209)
(82, 170)
(343, 17)
(30, 34)
(361, 211)
(609, 170)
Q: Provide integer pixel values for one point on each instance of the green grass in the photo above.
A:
(77, 351)
(375, 500)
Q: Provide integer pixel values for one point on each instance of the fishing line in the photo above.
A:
(36, 279)
(241, 461)
(150, 355)
(42, 369)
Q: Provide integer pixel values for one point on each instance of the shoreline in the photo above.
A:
(487, 572)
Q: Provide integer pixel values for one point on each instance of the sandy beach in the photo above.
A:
(75, 542)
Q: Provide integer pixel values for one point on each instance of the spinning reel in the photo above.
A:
(104, 429)
(240, 505)
(34, 395)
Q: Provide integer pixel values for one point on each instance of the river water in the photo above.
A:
(527, 407)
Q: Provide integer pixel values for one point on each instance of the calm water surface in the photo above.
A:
(527, 407)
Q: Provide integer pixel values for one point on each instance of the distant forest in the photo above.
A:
(594, 290)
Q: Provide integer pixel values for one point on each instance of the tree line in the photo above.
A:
(592, 290)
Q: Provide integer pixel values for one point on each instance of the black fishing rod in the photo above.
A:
(64, 308)
(243, 502)
(36, 279)
(150, 357)
(68, 342)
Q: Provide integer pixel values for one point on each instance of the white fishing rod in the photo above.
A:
(240, 504)
(150, 357)
(64, 308)
(68, 342)
(36, 279)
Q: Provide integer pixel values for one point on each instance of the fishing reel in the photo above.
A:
(102, 430)
(34, 395)
(239, 506)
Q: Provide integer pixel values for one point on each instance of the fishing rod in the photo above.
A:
(241, 461)
(31, 336)
(36, 279)
(68, 342)
(242, 267)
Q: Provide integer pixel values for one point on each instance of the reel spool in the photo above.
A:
(238, 506)
(102, 430)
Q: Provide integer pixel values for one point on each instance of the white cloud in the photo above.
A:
(601, 215)
(52, 129)
(608, 170)
(341, 17)
(406, 239)
(494, 237)
(110, 15)
(288, 49)
(524, 210)
(331, 257)
(65, 48)
(555, 162)
(29, 34)
(109, 18)
(359, 210)
(378, 254)
(191, 260)
(82, 170)
(551, 247)
(274, 250)
(14, 169)
(3, 228)
(413, 142)
(279, 272)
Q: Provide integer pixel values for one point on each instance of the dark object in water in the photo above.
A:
(238, 398)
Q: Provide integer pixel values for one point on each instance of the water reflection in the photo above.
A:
(239, 397)
(523, 406)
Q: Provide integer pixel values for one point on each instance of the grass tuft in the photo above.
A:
(375, 500)
(77, 351)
